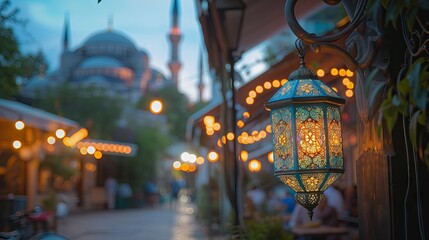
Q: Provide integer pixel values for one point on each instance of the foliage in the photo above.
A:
(92, 108)
(267, 228)
(140, 169)
(409, 98)
(176, 108)
(12, 62)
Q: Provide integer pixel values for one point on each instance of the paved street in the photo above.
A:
(147, 223)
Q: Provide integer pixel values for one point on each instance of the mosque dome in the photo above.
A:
(100, 62)
(110, 38)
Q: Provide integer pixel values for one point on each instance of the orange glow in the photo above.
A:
(334, 72)
(283, 82)
(350, 85)
(262, 134)
(210, 131)
(246, 114)
(335, 89)
(245, 135)
(184, 167)
(98, 155)
(244, 155)
(349, 73)
(83, 151)
(349, 93)
(249, 100)
(223, 139)
(192, 168)
(259, 89)
(90, 167)
(320, 73)
(209, 120)
(75, 138)
(276, 83)
(17, 144)
(346, 81)
(19, 125)
(271, 157)
(216, 126)
(213, 156)
(230, 136)
(254, 133)
(268, 128)
(342, 72)
(255, 165)
(156, 106)
(240, 139)
(200, 160)
(240, 124)
(219, 143)
(267, 85)
(252, 94)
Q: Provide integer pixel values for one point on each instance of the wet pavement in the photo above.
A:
(156, 223)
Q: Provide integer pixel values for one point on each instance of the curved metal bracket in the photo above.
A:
(358, 16)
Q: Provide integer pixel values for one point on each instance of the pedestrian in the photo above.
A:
(111, 187)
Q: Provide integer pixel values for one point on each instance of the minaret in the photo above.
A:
(200, 79)
(175, 37)
(66, 33)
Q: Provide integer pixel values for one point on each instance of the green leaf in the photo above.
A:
(403, 87)
(410, 16)
(413, 128)
(390, 115)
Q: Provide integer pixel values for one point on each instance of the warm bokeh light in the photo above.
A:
(320, 73)
(342, 72)
(267, 85)
(268, 128)
(98, 155)
(216, 126)
(83, 151)
(252, 94)
(276, 83)
(192, 168)
(177, 164)
(209, 120)
(184, 156)
(91, 167)
(335, 89)
(349, 73)
(90, 149)
(334, 72)
(210, 131)
(249, 100)
(19, 125)
(230, 136)
(284, 81)
(244, 155)
(16, 144)
(212, 156)
(259, 89)
(75, 138)
(246, 114)
(192, 158)
(200, 160)
(350, 85)
(240, 123)
(51, 140)
(349, 93)
(60, 133)
(262, 134)
(156, 106)
(270, 157)
(346, 81)
(184, 167)
(255, 165)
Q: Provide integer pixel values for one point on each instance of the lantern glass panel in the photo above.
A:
(310, 136)
(334, 137)
(331, 179)
(283, 147)
(291, 181)
(306, 87)
(312, 181)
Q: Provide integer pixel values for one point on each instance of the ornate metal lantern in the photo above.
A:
(306, 122)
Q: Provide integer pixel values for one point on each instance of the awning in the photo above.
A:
(34, 117)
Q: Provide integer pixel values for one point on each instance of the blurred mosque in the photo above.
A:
(111, 61)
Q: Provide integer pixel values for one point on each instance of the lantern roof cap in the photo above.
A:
(304, 87)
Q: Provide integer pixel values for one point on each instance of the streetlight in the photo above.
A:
(156, 106)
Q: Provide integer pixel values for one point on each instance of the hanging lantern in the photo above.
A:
(306, 123)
